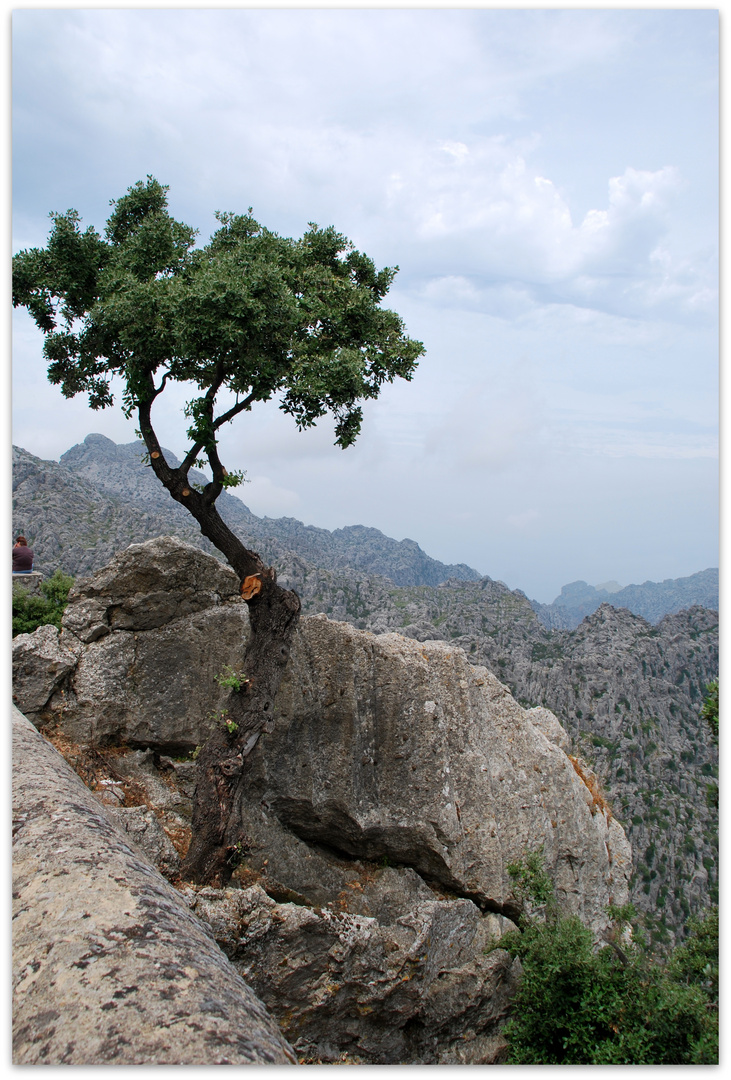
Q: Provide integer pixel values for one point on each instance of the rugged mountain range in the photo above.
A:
(628, 692)
(652, 600)
(118, 471)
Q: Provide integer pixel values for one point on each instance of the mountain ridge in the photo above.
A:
(652, 599)
(118, 470)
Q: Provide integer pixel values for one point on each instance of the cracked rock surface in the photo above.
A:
(429, 988)
(109, 964)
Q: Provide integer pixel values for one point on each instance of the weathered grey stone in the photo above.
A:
(147, 586)
(154, 687)
(546, 722)
(383, 749)
(153, 774)
(147, 834)
(431, 987)
(28, 583)
(387, 893)
(109, 966)
(40, 664)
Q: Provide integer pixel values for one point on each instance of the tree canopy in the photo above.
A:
(250, 312)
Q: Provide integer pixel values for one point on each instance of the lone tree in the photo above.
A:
(248, 316)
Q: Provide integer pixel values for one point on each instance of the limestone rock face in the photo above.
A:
(146, 586)
(391, 750)
(384, 749)
(109, 965)
(147, 834)
(547, 722)
(40, 664)
(144, 637)
(430, 987)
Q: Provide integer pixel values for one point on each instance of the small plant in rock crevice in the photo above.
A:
(231, 680)
(221, 717)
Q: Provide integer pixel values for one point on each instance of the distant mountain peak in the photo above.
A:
(652, 600)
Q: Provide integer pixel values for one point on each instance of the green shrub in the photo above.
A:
(30, 612)
(615, 1006)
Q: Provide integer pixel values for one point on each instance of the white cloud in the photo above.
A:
(476, 219)
(544, 179)
(267, 499)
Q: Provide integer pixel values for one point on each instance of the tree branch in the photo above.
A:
(234, 411)
(190, 457)
(159, 389)
(209, 398)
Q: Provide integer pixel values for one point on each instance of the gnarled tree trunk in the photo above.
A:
(274, 614)
(217, 833)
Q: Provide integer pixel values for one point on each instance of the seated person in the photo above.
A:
(22, 557)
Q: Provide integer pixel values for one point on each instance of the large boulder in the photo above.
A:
(145, 636)
(391, 750)
(109, 965)
(146, 586)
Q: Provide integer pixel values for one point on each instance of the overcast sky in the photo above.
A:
(547, 182)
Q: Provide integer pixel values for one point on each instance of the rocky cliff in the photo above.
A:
(396, 784)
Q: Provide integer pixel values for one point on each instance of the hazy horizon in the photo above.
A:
(609, 585)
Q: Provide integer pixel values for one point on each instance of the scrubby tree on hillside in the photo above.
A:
(247, 317)
(30, 612)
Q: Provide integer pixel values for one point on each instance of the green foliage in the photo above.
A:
(709, 709)
(532, 887)
(234, 479)
(230, 725)
(695, 962)
(229, 679)
(250, 314)
(30, 612)
(222, 718)
(611, 1006)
